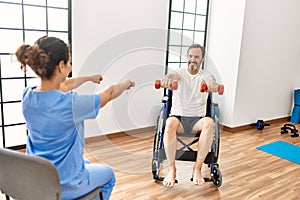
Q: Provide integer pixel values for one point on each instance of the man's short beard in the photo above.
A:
(193, 68)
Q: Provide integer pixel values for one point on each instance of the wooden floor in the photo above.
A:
(247, 173)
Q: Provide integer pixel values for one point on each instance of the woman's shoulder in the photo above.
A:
(28, 90)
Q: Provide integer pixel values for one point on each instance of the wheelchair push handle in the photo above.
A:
(203, 88)
(158, 85)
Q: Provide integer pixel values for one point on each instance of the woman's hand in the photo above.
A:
(97, 78)
(129, 83)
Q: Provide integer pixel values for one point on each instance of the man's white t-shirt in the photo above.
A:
(187, 100)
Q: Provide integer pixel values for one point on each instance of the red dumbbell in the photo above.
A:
(174, 85)
(157, 84)
(203, 88)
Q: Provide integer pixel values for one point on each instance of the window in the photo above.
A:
(187, 25)
(24, 21)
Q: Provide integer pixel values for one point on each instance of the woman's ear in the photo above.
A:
(61, 66)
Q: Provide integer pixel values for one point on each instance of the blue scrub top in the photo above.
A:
(55, 121)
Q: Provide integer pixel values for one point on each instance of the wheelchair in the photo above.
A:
(186, 153)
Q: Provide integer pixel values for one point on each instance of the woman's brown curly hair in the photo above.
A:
(43, 56)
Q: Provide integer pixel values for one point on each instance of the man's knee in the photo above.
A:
(172, 125)
(207, 123)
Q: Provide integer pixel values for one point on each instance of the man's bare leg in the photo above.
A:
(206, 125)
(172, 125)
(169, 180)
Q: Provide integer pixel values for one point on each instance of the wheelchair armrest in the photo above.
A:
(165, 99)
(215, 113)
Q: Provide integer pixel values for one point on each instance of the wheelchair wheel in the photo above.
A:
(217, 139)
(157, 145)
(157, 134)
(216, 176)
(155, 158)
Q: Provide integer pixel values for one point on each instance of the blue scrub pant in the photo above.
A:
(99, 175)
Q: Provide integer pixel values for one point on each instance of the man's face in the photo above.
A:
(194, 59)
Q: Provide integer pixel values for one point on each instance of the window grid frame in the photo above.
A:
(180, 62)
(3, 125)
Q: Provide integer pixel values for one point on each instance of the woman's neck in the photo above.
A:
(47, 85)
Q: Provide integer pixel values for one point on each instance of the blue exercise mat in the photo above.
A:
(283, 150)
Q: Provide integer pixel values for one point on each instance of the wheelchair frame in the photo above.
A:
(186, 153)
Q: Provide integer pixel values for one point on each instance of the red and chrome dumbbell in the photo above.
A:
(158, 85)
(203, 88)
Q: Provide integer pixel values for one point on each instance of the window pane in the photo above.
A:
(173, 65)
(32, 36)
(13, 113)
(35, 2)
(12, 89)
(30, 73)
(10, 67)
(190, 6)
(200, 23)
(57, 19)
(10, 40)
(176, 20)
(33, 82)
(199, 38)
(201, 7)
(189, 20)
(173, 57)
(35, 17)
(0, 121)
(62, 36)
(10, 16)
(187, 38)
(184, 53)
(175, 37)
(174, 54)
(13, 1)
(177, 5)
(15, 135)
(58, 3)
(1, 140)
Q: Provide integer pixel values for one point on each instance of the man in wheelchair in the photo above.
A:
(188, 112)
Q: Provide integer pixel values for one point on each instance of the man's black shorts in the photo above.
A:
(187, 122)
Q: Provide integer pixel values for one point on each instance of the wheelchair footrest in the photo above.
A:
(205, 179)
(162, 179)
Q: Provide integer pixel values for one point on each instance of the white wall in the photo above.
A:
(121, 40)
(223, 49)
(253, 45)
(256, 47)
(269, 60)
